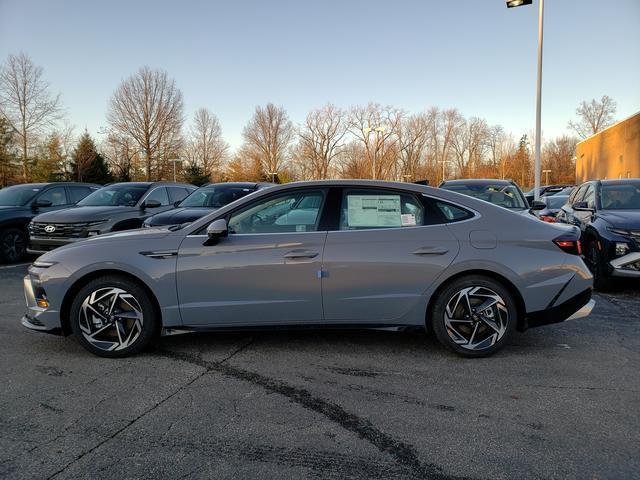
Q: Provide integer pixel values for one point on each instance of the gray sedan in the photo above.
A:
(328, 253)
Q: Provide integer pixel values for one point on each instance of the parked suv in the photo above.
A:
(20, 203)
(608, 213)
(203, 201)
(120, 206)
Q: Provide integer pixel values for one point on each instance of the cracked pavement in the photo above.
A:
(561, 401)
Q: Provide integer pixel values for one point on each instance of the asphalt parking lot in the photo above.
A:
(560, 402)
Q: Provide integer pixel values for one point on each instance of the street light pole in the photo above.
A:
(518, 3)
(536, 191)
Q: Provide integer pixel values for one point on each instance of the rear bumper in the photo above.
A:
(574, 308)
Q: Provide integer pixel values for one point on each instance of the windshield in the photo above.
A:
(556, 201)
(17, 195)
(215, 197)
(621, 196)
(506, 196)
(115, 195)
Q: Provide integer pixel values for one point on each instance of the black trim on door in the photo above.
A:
(330, 219)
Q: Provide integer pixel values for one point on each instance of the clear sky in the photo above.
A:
(229, 56)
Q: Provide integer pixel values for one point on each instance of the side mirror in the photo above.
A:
(215, 231)
(150, 204)
(537, 205)
(41, 203)
(582, 207)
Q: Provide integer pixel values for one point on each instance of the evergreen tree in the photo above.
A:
(88, 164)
(194, 175)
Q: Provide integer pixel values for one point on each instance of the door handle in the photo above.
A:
(430, 251)
(301, 254)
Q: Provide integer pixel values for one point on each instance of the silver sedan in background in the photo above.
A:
(328, 253)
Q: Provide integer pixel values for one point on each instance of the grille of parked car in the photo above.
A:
(60, 230)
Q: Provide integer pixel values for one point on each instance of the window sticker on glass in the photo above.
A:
(374, 210)
(408, 220)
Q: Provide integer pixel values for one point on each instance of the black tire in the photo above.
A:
(499, 323)
(601, 279)
(133, 322)
(13, 245)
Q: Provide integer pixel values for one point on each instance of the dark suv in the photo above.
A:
(203, 201)
(20, 203)
(120, 206)
(608, 213)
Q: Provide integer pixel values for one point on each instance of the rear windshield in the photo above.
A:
(625, 196)
(556, 201)
(506, 196)
(115, 195)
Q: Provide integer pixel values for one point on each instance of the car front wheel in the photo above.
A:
(13, 244)
(596, 263)
(474, 316)
(113, 317)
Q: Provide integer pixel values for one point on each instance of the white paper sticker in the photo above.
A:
(301, 228)
(373, 210)
(408, 220)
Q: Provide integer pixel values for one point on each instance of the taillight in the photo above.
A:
(548, 218)
(569, 245)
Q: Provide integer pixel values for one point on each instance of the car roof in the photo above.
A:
(231, 184)
(46, 184)
(477, 181)
(619, 181)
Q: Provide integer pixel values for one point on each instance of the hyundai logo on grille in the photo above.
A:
(50, 228)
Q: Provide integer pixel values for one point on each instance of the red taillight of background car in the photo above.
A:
(569, 245)
(548, 218)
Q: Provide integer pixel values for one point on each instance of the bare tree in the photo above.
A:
(147, 107)
(26, 103)
(321, 140)
(377, 128)
(412, 140)
(121, 153)
(267, 138)
(594, 116)
(207, 147)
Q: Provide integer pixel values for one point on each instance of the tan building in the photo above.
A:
(612, 153)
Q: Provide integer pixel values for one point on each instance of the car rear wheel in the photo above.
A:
(474, 316)
(113, 317)
(13, 244)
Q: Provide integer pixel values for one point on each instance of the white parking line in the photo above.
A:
(16, 265)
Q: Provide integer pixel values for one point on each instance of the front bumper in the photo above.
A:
(37, 318)
(574, 308)
(626, 266)
(40, 245)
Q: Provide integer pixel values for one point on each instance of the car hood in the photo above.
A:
(11, 210)
(83, 214)
(180, 215)
(626, 219)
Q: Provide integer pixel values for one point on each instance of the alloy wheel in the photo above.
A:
(476, 318)
(110, 319)
(13, 246)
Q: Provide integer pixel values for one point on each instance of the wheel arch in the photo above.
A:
(520, 305)
(65, 308)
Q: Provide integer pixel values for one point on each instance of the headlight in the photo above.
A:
(92, 233)
(621, 249)
(147, 223)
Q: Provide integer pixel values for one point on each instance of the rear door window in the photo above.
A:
(78, 193)
(159, 194)
(363, 209)
(177, 194)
